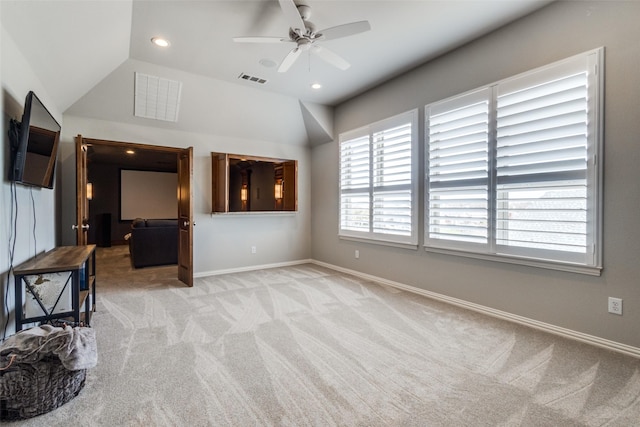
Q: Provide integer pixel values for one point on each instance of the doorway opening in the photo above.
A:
(102, 168)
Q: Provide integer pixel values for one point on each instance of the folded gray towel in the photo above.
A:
(75, 347)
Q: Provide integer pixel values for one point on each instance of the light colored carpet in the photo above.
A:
(307, 346)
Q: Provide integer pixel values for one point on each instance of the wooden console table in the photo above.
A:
(80, 264)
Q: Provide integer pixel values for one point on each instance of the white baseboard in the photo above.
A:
(542, 326)
(252, 268)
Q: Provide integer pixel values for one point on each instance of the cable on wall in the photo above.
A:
(13, 218)
(33, 208)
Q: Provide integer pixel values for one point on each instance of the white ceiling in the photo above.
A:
(72, 44)
(403, 35)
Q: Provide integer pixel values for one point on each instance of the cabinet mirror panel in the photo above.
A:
(253, 184)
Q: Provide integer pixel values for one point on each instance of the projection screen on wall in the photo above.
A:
(148, 195)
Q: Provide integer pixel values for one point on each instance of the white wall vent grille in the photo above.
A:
(156, 98)
(254, 79)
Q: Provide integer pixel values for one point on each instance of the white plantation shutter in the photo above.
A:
(458, 170)
(392, 192)
(377, 184)
(355, 174)
(520, 178)
(542, 163)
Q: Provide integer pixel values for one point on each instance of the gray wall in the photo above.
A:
(221, 242)
(247, 121)
(34, 228)
(569, 300)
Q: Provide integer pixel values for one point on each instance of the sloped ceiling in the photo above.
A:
(404, 34)
(318, 120)
(71, 45)
(85, 53)
(208, 106)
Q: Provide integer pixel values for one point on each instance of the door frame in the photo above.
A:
(81, 225)
(185, 216)
(186, 276)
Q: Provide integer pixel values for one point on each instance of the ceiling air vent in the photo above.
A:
(254, 79)
(156, 98)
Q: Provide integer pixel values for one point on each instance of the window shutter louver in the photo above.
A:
(392, 181)
(542, 167)
(512, 169)
(354, 184)
(458, 169)
(377, 181)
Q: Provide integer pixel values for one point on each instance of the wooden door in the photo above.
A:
(82, 204)
(220, 182)
(290, 183)
(185, 217)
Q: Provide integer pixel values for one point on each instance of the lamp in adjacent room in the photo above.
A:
(243, 194)
(89, 191)
(278, 190)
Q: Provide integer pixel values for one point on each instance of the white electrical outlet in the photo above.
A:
(357, 254)
(615, 305)
(253, 249)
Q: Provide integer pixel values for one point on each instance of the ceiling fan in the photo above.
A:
(303, 34)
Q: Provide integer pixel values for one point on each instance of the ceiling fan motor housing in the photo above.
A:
(309, 33)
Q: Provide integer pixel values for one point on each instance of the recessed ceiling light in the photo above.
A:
(159, 41)
(316, 86)
(130, 152)
(269, 63)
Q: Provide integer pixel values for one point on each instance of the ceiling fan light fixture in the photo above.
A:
(159, 41)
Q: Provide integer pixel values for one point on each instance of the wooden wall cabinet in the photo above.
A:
(243, 183)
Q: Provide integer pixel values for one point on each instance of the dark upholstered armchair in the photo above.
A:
(153, 242)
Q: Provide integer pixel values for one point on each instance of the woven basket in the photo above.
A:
(30, 389)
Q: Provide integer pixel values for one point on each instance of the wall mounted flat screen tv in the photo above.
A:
(34, 145)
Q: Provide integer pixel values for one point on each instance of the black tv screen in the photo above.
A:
(35, 147)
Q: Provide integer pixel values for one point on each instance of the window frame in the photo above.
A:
(410, 241)
(594, 177)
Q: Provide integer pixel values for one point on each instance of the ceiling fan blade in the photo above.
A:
(259, 39)
(292, 15)
(345, 30)
(288, 60)
(331, 57)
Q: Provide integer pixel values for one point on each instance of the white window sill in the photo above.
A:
(529, 262)
(379, 242)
